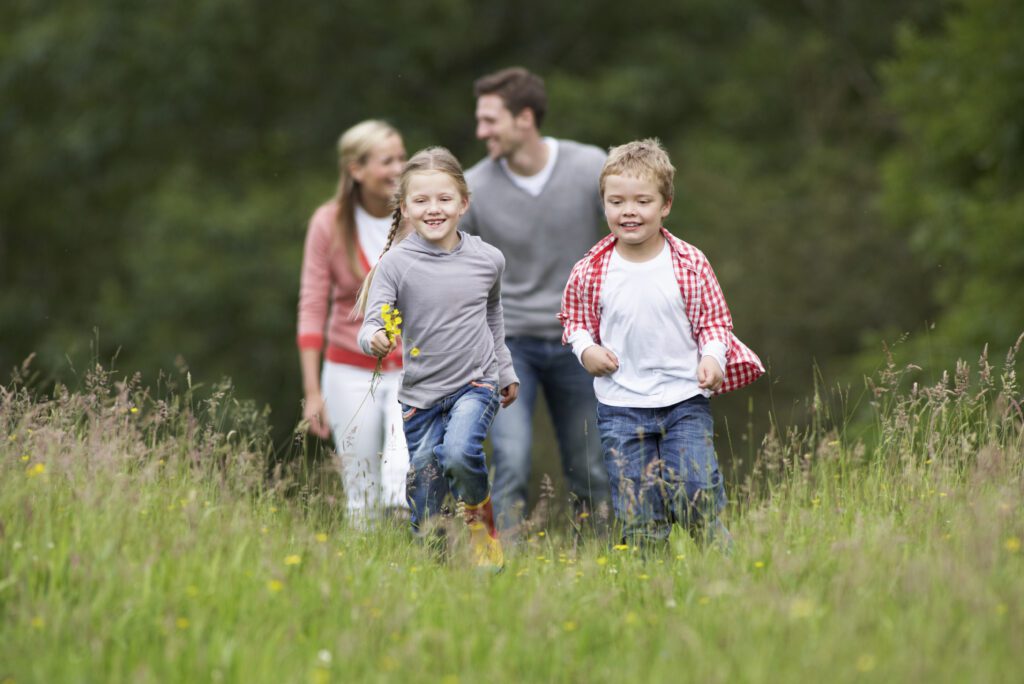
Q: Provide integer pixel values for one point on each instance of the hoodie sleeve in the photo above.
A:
(496, 322)
(382, 291)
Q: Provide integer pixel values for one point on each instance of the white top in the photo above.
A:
(535, 184)
(372, 232)
(644, 324)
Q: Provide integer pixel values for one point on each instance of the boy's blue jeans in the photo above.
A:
(662, 470)
(545, 365)
(446, 453)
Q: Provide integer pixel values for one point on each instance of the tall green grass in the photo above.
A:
(143, 539)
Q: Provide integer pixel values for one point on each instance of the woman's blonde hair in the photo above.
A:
(429, 159)
(354, 147)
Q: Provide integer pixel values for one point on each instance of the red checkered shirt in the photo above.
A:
(702, 297)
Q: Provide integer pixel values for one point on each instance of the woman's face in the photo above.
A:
(378, 173)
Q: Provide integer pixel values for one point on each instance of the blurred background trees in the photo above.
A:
(853, 168)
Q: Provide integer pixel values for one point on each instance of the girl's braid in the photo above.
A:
(396, 221)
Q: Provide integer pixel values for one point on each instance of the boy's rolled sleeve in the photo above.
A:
(573, 313)
(581, 341)
(715, 324)
(717, 351)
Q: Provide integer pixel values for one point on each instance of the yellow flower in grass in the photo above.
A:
(182, 623)
(1012, 544)
(293, 559)
(321, 537)
(274, 586)
(37, 469)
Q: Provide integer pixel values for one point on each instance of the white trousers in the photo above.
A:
(368, 437)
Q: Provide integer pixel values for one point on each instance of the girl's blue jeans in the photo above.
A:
(662, 470)
(446, 452)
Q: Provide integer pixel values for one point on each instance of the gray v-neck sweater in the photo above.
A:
(450, 304)
(541, 237)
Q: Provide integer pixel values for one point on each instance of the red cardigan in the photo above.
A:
(327, 295)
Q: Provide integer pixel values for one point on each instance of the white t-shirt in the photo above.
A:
(372, 232)
(535, 184)
(643, 322)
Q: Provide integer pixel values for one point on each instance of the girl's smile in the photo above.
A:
(434, 205)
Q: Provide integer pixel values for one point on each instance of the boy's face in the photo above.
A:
(634, 208)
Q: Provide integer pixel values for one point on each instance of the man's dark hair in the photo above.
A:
(518, 88)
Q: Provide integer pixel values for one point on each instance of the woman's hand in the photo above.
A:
(314, 411)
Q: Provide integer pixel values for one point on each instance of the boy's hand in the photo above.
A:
(599, 361)
(709, 374)
(509, 394)
(380, 345)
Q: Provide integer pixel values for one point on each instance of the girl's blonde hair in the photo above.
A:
(429, 159)
(354, 147)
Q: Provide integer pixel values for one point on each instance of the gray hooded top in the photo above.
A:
(450, 304)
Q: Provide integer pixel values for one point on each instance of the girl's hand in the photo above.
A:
(509, 394)
(709, 374)
(380, 345)
(314, 411)
(599, 361)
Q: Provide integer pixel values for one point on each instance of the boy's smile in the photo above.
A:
(634, 209)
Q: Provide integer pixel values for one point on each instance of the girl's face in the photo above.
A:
(434, 205)
(378, 173)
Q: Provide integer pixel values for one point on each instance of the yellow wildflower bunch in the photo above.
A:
(392, 321)
(393, 325)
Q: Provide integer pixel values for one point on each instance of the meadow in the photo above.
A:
(144, 539)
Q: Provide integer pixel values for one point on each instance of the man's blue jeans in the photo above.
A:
(446, 452)
(569, 392)
(662, 470)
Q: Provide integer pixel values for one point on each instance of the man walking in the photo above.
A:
(536, 199)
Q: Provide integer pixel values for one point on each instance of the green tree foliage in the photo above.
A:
(160, 160)
(955, 179)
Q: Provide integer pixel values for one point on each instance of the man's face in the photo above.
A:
(497, 127)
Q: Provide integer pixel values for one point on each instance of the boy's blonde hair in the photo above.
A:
(429, 159)
(645, 159)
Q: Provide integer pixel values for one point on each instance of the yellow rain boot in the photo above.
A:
(483, 536)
